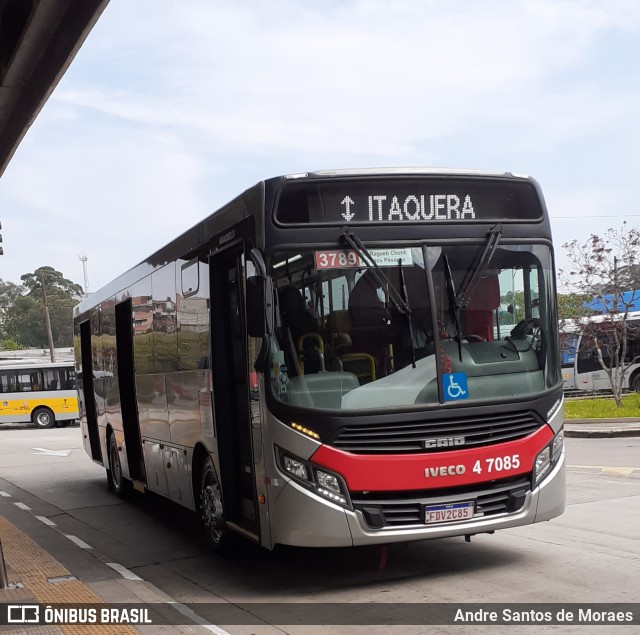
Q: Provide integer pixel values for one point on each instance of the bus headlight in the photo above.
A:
(549, 456)
(295, 467)
(324, 483)
(542, 464)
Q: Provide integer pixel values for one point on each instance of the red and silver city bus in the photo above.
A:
(327, 361)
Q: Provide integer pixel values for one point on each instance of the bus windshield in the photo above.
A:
(410, 326)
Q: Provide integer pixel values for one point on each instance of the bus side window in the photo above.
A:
(24, 383)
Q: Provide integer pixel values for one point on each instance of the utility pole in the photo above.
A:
(47, 320)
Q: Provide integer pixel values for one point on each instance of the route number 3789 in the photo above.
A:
(497, 464)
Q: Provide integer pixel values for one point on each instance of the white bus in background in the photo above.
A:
(569, 336)
(588, 372)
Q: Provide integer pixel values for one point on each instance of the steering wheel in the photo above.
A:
(529, 327)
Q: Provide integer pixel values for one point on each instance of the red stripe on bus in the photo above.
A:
(395, 472)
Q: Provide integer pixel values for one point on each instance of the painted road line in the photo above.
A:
(124, 572)
(81, 543)
(5, 494)
(23, 506)
(46, 452)
(610, 470)
(46, 521)
(602, 467)
(192, 615)
(618, 471)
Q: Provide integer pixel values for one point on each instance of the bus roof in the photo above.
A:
(570, 324)
(399, 171)
(189, 242)
(17, 364)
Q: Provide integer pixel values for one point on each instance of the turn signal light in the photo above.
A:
(303, 430)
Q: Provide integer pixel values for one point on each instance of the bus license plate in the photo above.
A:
(448, 513)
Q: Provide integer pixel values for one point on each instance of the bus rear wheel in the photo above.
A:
(43, 418)
(212, 510)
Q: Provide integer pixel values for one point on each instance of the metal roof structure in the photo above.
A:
(38, 41)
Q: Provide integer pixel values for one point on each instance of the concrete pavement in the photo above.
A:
(46, 567)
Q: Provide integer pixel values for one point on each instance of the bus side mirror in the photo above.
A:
(259, 306)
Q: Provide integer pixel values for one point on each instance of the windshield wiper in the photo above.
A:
(453, 303)
(394, 295)
(477, 267)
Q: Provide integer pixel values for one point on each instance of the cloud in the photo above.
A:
(352, 76)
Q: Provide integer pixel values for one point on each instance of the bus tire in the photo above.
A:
(212, 510)
(115, 480)
(43, 417)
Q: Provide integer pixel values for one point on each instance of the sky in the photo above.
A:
(170, 109)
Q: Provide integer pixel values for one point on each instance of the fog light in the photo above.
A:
(297, 468)
(542, 465)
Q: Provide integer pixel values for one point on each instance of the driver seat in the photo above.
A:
(477, 318)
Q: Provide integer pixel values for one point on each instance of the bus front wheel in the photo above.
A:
(116, 482)
(212, 510)
(43, 418)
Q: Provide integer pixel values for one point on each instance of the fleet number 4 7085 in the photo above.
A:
(497, 464)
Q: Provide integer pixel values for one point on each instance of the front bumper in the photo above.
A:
(302, 518)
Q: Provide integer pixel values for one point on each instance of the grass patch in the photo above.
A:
(602, 407)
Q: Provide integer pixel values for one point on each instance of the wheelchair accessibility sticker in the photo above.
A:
(455, 386)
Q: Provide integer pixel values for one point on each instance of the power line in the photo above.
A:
(597, 216)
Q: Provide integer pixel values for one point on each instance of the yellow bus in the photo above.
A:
(41, 392)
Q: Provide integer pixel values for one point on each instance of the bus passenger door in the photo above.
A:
(86, 390)
(127, 388)
(231, 397)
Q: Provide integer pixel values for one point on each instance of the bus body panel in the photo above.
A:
(297, 516)
(184, 403)
(436, 469)
(20, 407)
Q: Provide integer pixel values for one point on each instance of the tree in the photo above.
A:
(595, 274)
(8, 294)
(25, 318)
(572, 305)
(55, 283)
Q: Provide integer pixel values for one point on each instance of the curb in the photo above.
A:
(602, 434)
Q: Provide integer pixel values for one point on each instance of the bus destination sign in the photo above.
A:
(407, 201)
(413, 207)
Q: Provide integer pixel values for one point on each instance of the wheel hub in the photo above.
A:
(212, 516)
